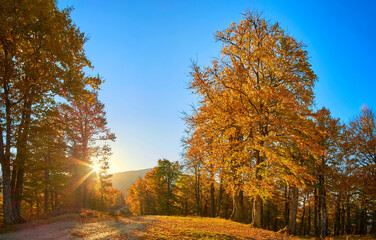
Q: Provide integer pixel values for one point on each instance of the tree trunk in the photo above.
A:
(56, 204)
(293, 211)
(212, 200)
(9, 217)
(38, 203)
(287, 208)
(337, 218)
(226, 210)
(302, 225)
(316, 217)
(257, 212)
(348, 215)
(373, 229)
(237, 210)
(5, 147)
(309, 219)
(21, 157)
(322, 200)
(77, 175)
(46, 190)
(266, 225)
(13, 187)
(363, 219)
(324, 220)
(257, 204)
(219, 200)
(204, 209)
(7, 200)
(47, 182)
(343, 217)
(197, 191)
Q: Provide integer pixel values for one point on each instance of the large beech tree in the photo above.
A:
(255, 101)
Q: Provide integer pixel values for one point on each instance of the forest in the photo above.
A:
(54, 138)
(258, 151)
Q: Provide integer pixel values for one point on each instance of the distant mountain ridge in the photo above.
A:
(123, 180)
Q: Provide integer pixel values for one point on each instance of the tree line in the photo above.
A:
(256, 150)
(53, 126)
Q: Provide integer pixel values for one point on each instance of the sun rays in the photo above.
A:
(94, 168)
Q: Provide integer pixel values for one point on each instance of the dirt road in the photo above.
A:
(72, 227)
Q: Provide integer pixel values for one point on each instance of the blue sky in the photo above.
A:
(143, 51)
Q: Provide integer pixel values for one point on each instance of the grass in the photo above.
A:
(162, 227)
(171, 227)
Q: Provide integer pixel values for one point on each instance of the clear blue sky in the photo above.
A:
(143, 51)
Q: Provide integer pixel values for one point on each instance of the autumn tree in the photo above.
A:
(42, 56)
(167, 174)
(330, 140)
(157, 192)
(47, 158)
(86, 126)
(258, 96)
(136, 200)
(362, 158)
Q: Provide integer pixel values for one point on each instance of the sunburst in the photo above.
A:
(96, 167)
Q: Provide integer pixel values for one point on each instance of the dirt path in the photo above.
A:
(71, 227)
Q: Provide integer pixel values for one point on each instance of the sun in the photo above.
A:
(96, 167)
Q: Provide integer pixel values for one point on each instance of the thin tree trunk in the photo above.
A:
(47, 183)
(38, 203)
(13, 186)
(212, 200)
(219, 200)
(293, 211)
(373, 229)
(7, 200)
(257, 204)
(46, 191)
(337, 218)
(257, 212)
(226, 210)
(287, 208)
(343, 221)
(52, 201)
(266, 225)
(56, 200)
(309, 219)
(21, 157)
(168, 197)
(348, 216)
(315, 220)
(322, 200)
(363, 218)
(198, 202)
(5, 153)
(303, 215)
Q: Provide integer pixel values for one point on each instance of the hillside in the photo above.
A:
(90, 224)
(123, 180)
(170, 227)
(95, 225)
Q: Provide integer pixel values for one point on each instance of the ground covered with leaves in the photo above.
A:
(96, 225)
(162, 227)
